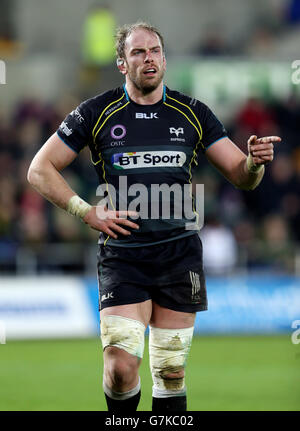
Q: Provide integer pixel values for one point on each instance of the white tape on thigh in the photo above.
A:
(168, 349)
(124, 333)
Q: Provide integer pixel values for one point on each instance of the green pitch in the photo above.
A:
(223, 373)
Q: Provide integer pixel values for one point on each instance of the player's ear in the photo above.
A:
(121, 65)
(164, 63)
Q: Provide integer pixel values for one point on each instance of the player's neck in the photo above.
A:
(144, 99)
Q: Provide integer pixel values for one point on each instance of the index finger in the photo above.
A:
(267, 139)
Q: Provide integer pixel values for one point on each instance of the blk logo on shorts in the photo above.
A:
(107, 296)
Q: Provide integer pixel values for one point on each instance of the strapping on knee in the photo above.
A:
(124, 333)
(168, 350)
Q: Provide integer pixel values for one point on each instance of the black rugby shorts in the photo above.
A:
(171, 274)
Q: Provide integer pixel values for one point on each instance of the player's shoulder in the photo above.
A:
(88, 112)
(191, 102)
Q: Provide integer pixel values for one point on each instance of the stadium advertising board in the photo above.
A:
(260, 304)
(68, 307)
(45, 307)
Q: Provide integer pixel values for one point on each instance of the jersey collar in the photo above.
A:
(128, 99)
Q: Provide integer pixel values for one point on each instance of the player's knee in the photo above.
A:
(120, 370)
(173, 378)
(169, 349)
(123, 344)
(173, 373)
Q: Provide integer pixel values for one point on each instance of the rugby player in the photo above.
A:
(150, 271)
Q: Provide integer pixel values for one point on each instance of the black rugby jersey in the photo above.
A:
(139, 148)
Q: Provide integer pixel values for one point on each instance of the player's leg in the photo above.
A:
(125, 310)
(180, 293)
(170, 340)
(122, 335)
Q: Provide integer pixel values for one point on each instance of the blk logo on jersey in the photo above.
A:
(148, 159)
(144, 116)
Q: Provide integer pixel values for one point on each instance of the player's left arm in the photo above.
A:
(244, 172)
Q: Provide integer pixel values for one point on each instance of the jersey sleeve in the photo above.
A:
(76, 129)
(212, 128)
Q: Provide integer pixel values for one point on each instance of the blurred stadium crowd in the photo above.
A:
(258, 229)
(264, 229)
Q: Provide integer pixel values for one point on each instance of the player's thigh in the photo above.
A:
(123, 332)
(140, 311)
(166, 318)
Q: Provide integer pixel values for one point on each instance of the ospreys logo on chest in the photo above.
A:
(177, 131)
(147, 159)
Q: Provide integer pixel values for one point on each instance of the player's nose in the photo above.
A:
(148, 56)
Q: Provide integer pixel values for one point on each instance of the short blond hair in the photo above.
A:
(124, 31)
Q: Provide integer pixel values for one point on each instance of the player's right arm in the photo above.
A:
(44, 175)
(44, 171)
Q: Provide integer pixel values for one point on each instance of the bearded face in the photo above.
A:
(145, 63)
